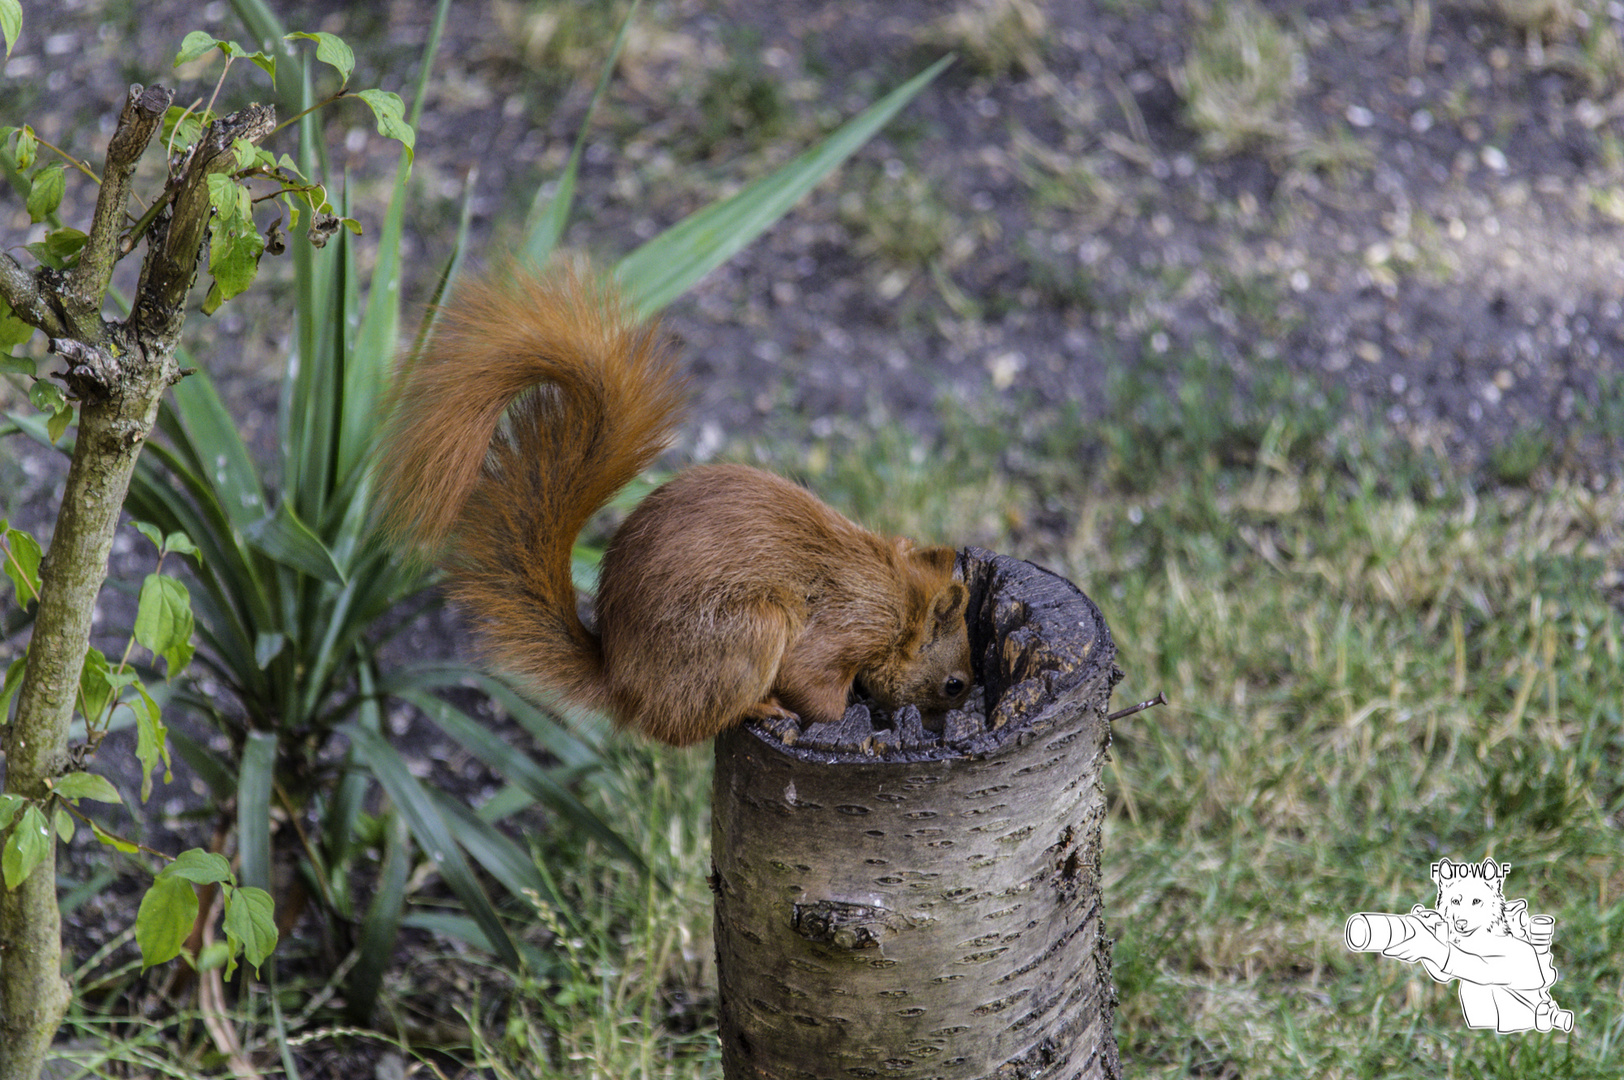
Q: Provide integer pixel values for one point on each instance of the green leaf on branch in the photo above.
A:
(233, 258)
(45, 194)
(165, 919)
(216, 954)
(87, 785)
(46, 396)
(65, 827)
(27, 147)
(229, 198)
(390, 112)
(194, 45)
(164, 613)
(14, 678)
(151, 532)
(251, 922)
(26, 848)
(96, 686)
(199, 867)
(60, 248)
(11, 22)
(10, 807)
(59, 421)
(265, 63)
(178, 543)
(64, 243)
(182, 128)
(198, 43)
(332, 51)
(23, 557)
(249, 155)
(14, 332)
(117, 843)
(151, 739)
(163, 621)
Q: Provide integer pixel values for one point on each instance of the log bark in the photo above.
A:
(886, 911)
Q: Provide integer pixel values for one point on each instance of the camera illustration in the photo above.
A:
(1548, 1016)
(1373, 931)
(1378, 931)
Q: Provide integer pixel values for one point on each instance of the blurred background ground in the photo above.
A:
(1413, 207)
(1291, 331)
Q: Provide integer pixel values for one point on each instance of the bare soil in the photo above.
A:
(1436, 237)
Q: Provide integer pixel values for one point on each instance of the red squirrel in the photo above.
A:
(728, 593)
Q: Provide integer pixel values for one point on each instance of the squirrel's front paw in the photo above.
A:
(776, 720)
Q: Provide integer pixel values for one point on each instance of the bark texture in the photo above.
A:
(930, 914)
(119, 372)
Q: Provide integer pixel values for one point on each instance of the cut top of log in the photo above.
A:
(1038, 643)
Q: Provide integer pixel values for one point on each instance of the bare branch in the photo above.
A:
(91, 373)
(85, 285)
(29, 302)
(175, 246)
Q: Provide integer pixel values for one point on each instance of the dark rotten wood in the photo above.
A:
(930, 914)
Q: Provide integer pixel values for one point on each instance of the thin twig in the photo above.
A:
(296, 117)
(102, 831)
(78, 163)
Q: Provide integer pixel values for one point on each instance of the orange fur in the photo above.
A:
(729, 592)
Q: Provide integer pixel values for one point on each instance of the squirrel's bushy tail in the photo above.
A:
(591, 399)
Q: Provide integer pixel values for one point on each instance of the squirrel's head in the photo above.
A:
(931, 665)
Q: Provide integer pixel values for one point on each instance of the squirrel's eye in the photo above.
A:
(953, 687)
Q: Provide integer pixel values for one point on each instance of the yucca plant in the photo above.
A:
(296, 601)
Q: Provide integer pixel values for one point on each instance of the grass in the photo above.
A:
(1574, 37)
(1373, 664)
(895, 214)
(1240, 79)
(631, 992)
(1363, 682)
(740, 99)
(993, 36)
(560, 42)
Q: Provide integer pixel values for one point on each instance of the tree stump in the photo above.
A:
(897, 903)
